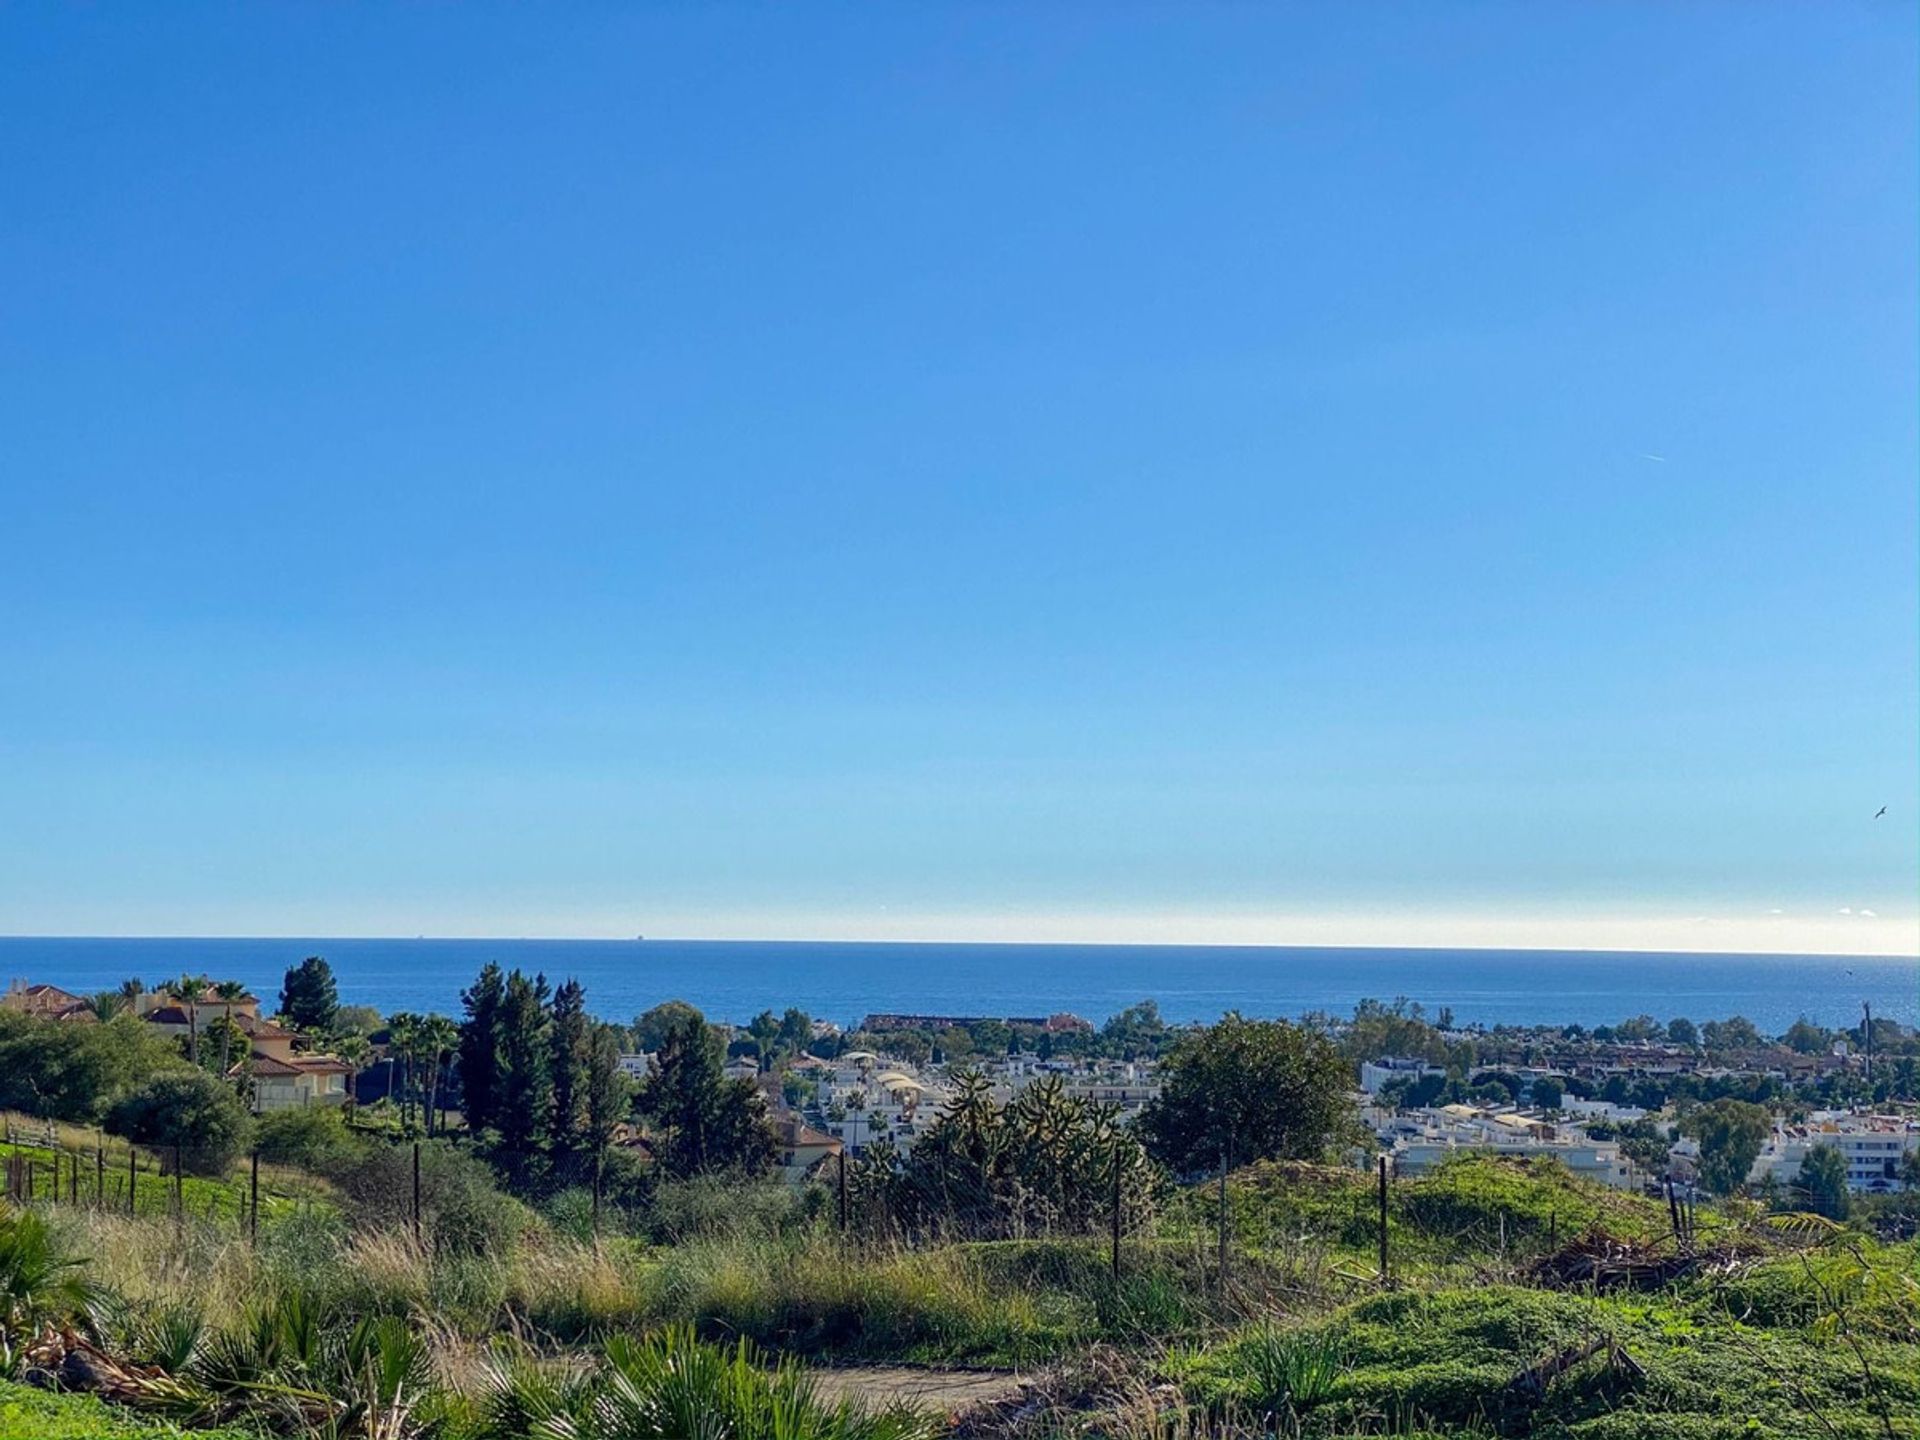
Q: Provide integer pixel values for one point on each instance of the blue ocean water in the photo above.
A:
(732, 980)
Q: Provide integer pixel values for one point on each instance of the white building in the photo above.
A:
(1875, 1148)
(1376, 1075)
(1422, 1139)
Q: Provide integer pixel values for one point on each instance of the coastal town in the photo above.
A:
(1611, 1105)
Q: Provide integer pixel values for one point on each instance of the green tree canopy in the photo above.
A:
(480, 1047)
(698, 1120)
(1823, 1178)
(1249, 1090)
(1731, 1134)
(1807, 1038)
(191, 1110)
(308, 997)
(75, 1072)
(650, 1029)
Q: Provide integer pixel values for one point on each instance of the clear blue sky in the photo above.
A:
(1132, 471)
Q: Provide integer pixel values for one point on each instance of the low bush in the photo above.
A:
(189, 1113)
(460, 1206)
(313, 1137)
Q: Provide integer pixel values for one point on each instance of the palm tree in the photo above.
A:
(403, 1039)
(132, 989)
(106, 1004)
(190, 991)
(352, 1051)
(228, 991)
(438, 1036)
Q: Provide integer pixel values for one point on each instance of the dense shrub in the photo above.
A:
(460, 1206)
(713, 1207)
(73, 1071)
(190, 1110)
(313, 1137)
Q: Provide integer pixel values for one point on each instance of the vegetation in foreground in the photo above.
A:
(1781, 1328)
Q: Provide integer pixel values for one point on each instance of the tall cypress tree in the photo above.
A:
(571, 1043)
(480, 1049)
(524, 1103)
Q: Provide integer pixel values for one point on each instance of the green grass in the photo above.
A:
(1458, 1213)
(28, 1414)
(203, 1198)
(1446, 1359)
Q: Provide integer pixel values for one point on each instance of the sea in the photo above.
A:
(842, 981)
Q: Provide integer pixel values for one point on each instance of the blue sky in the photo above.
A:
(1312, 472)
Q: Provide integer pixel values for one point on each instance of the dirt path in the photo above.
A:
(946, 1391)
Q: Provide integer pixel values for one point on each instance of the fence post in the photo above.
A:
(253, 1206)
(599, 1167)
(99, 1177)
(1116, 1210)
(416, 1192)
(1383, 1221)
(133, 1178)
(842, 1158)
(73, 1178)
(1226, 1160)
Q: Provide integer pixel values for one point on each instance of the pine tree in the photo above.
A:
(701, 1121)
(480, 1048)
(607, 1092)
(524, 1102)
(308, 997)
(571, 1045)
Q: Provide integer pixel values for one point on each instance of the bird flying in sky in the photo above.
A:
(1881, 811)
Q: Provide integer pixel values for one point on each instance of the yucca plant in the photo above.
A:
(1292, 1370)
(40, 1283)
(674, 1386)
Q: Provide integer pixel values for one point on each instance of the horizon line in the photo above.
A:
(1434, 948)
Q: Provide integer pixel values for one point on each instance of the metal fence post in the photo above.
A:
(1383, 1220)
(99, 1177)
(1116, 1212)
(842, 1158)
(253, 1208)
(416, 1192)
(133, 1177)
